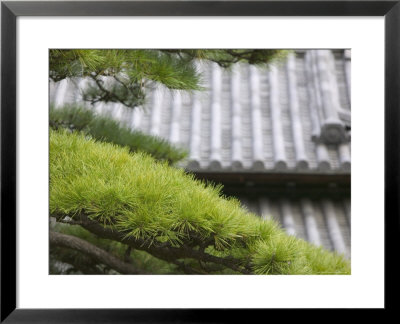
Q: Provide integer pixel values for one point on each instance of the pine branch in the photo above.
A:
(167, 213)
(163, 251)
(105, 129)
(75, 243)
(110, 96)
(172, 68)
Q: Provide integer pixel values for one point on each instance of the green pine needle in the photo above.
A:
(153, 202)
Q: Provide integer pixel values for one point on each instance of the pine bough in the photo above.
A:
(144, 205)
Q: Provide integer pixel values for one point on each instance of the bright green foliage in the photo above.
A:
(108, 130)
(123, 76)
(161, 206)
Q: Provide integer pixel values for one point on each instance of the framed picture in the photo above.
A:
(347, 50)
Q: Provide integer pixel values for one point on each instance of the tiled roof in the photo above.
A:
(322, 221)
(292, 117)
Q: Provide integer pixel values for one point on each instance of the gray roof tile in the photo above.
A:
(288, 118)
(323, 221)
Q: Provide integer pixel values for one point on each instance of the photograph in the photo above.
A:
(199, 161)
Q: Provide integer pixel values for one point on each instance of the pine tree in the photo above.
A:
(119, 204)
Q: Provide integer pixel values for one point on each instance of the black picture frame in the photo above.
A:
(11, 10)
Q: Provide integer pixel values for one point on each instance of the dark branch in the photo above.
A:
(75, 243)
(79, 261)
